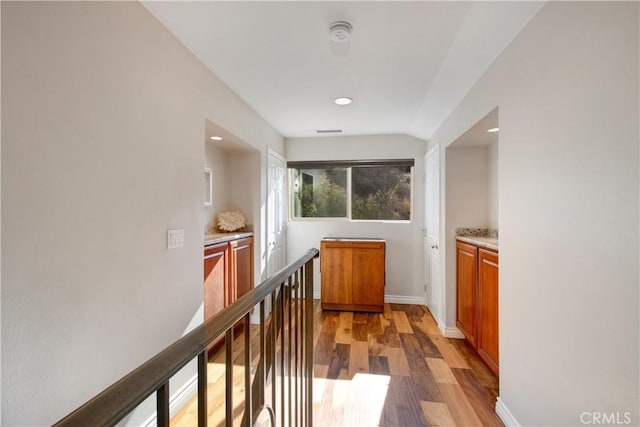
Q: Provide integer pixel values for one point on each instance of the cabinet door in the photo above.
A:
(466, 290)
(215, 278)
(488, 314)
(241, 257)
(335, 272)
(367, 288)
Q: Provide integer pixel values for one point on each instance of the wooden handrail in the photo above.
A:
(118, 400)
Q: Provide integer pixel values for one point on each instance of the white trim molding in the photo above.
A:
(450, 331)
(393, 299)
(177, 401)
(505, 414)
(401, 299)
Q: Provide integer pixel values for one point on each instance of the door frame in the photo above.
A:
(284, 211)
(430, 287)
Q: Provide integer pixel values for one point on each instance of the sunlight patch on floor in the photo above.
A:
(355, 402)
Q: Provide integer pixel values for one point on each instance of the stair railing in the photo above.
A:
(282, 384)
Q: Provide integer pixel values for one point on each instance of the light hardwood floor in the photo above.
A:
(389, 369)
(396, 369)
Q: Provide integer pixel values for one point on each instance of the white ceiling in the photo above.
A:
(477, 134)
(407, 65)
(229, 143)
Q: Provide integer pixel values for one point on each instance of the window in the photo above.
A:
(377, 190)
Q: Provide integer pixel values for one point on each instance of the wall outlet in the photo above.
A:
(175, 238)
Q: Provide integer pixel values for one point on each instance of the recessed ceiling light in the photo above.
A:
(216, 138)
(343, 100)
(493, 130)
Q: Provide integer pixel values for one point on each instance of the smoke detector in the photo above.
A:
(340, 31)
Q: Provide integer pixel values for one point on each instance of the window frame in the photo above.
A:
(348, 165)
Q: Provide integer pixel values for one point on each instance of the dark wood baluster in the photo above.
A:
(308, 281)
(162, 405)
(282, 346)
(272, 349)
(289, 349)
(262, 364)
(301, 363)
(202, 389)
(248, 410)
(228, 342)
(296, 361)
(302, 353)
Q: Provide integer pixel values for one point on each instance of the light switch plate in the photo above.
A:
(175, 238)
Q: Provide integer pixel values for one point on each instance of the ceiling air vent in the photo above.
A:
(329, 131)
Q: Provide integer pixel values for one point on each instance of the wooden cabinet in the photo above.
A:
(352, 275)
(216, 271)
(228, 274)
(477, 300)
(241, 267)
(466, 291)
(488, 304)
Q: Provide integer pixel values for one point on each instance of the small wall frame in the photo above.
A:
(208, 187)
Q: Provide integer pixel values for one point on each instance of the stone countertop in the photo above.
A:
(353, 239)
(480, 241)
(214, 238)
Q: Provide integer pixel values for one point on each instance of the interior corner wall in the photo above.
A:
(466, 200)
(216, 160)
(493, 185)
(0, 217)
(405, 246)
(568, 92)
(102, 152)
(245, 194)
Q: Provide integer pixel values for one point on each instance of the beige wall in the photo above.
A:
(405, 253)
(102, 151)
(216, 160)
(0, 223)
(567, 89)
(493, 182)
(467, 200)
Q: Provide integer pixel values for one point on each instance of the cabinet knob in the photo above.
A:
(434, 246)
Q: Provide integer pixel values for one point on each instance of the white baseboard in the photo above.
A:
(177, 401)
(401, 299)
(505, 414)
(393, 299)
(451, 331)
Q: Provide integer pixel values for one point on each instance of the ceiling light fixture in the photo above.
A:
(340, 31)
(343, 100)
(216, 138)
(329, 131)
(493, 130)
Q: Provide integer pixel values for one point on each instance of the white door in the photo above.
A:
(433, 295)
(276, 213)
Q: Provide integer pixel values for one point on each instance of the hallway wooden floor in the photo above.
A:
(396, 369)
(389, 369)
